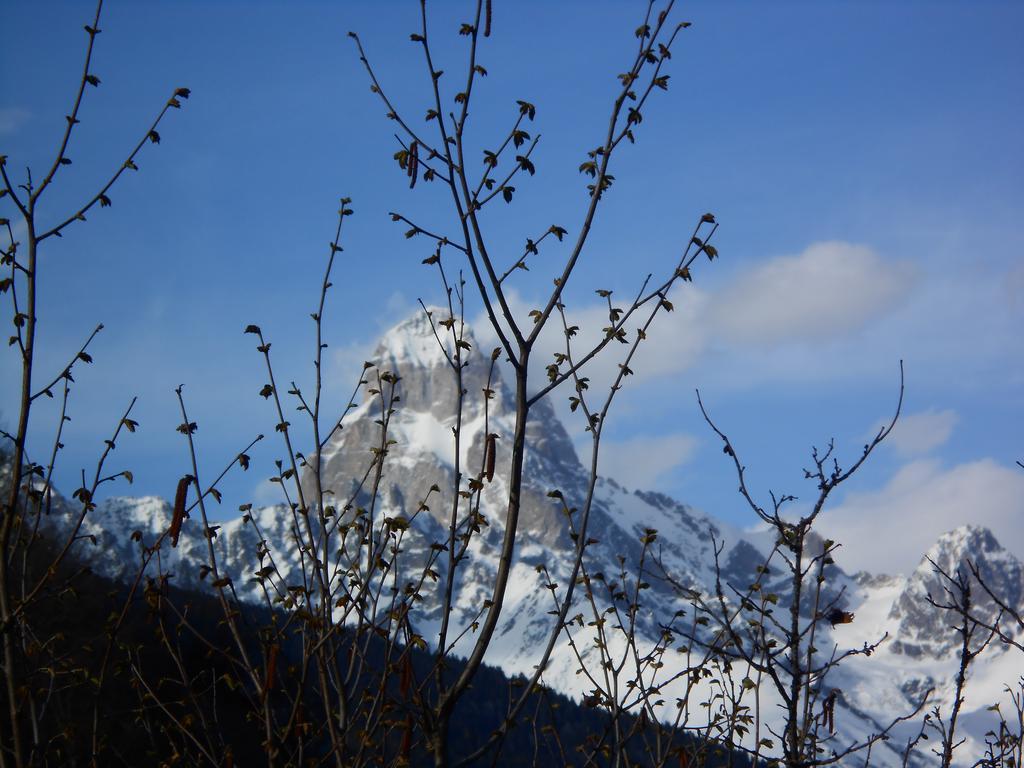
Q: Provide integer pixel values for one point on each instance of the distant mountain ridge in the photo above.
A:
(873, 690)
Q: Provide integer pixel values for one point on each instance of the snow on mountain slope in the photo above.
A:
(923, 654)
(919, 655)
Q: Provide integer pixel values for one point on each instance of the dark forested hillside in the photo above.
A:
(117, 661)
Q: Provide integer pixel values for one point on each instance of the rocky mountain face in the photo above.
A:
(871, 690)
(423, 457)
(922, 628)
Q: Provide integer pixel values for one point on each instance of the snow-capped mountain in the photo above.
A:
(922, 627)
(919, 655)
(922, 653)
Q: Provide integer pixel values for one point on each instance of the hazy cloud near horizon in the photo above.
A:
(888, 530)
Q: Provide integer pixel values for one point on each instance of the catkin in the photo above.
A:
(268, 685)
(413, 167)
(489, 454)
(179, 509)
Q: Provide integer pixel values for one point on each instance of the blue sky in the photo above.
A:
(864, 161)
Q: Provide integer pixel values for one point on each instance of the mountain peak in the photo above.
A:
(953, 549)
(413, 342)
(973, 541)
(962, 552)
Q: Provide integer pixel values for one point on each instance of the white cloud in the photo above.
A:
(824, 294)
(830, 289)
(890, 529)
(12, 119)
(398, 307)
(345, 365)
(641, 461)
(675, 341)
(265, 493)
(345, 360)
(919, 433)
